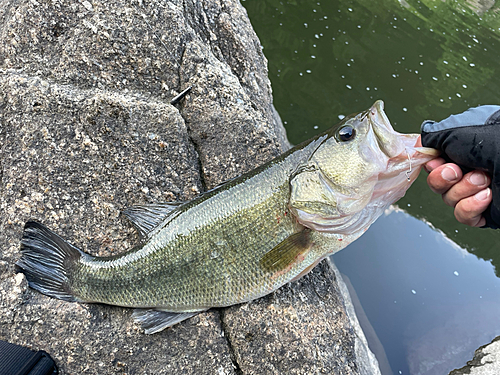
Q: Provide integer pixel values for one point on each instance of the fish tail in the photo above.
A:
(47, 261)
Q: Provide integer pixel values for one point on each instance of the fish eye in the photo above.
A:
(346, 133)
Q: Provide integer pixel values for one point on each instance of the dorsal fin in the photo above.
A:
(146, 217)
(287, 251)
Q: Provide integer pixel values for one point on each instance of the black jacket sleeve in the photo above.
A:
(471, 140)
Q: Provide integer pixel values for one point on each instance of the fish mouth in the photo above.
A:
(405, 158)
(392, 143)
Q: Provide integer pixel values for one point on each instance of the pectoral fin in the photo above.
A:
(307, 270)
(147, 217)
(153, 321)
(287, 252)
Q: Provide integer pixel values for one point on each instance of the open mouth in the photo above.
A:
(403, 169)
(404, 157)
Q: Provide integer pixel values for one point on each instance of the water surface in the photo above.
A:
(426, 59)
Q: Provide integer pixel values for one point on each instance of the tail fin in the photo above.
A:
(46, 260)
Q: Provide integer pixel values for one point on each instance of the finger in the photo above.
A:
(433, 164)
(443, 177)
(472, 183)
(469, 210)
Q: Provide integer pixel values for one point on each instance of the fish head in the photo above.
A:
(360, 167)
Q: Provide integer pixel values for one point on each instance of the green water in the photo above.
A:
(427, 60)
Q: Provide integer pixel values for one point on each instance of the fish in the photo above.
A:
(243, 239)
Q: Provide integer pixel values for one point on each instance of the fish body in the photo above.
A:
(207, 252)
(245, 238)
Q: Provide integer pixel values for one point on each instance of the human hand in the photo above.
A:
(470, 142)
(469, 194)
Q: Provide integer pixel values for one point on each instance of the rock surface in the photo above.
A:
(486, 361)
(86, 130)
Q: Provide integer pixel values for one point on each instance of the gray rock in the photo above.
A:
(486, 361)
(87, 129)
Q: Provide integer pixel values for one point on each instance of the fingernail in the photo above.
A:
(449, 174)
(478, 179)
(483, 195)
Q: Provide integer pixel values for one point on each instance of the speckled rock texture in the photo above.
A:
(486, 361)
(87, 129)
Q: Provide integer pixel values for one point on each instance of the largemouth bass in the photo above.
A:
(245, 238)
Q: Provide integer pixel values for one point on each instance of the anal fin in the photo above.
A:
(287, 251)
(147, 217)
(153, 321)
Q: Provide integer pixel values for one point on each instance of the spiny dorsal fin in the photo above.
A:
(286, 252)
(146, 217)
(153, 321)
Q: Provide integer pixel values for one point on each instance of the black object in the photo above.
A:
(472, 141)
(18, 360)
(179, 97)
